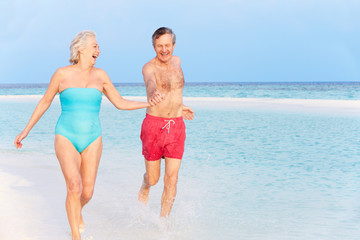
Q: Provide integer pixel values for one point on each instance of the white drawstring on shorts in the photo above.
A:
(168, 125)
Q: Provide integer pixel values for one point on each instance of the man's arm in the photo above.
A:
(153, 95)
(188, 113)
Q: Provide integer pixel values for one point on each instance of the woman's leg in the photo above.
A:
(88, 171)
(80, 175)
(70, 162)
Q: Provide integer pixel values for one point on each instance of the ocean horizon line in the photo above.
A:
(27, 85)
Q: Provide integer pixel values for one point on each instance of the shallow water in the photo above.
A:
(247, 173)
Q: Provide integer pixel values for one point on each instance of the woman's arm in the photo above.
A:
(116, 99)
(41, 107)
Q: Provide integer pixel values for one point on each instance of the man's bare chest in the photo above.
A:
(171, 79)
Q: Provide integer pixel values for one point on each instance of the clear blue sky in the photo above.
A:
(218, 41)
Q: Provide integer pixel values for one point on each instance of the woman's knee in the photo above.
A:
(87, 193)
(74, 186)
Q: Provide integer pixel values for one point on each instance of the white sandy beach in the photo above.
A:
(32, 197)
(312, 105)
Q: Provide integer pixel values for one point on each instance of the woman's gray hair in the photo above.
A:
(77, 43)
(161, 31)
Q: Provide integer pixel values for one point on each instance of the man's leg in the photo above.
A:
(151, 177)
(172, 166)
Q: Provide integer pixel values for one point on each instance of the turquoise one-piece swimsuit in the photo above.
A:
(79, 120)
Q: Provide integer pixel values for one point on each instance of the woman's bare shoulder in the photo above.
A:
(64, 70)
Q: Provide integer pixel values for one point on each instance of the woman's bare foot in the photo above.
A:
(81, 225)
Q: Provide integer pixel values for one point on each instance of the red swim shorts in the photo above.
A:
(162, 137)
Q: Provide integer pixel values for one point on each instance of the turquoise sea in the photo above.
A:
(310, 90)
(251, 170)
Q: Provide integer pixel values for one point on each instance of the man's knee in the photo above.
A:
(170, 181)
(152, 179)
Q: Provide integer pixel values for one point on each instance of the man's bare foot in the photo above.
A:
(143, 195)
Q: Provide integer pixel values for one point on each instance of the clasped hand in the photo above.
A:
(156, 98)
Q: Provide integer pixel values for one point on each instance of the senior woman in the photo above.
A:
(78, 142)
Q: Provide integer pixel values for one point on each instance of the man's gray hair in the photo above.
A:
(161, 31)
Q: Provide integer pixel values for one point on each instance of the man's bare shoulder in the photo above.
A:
(176, 60)
(149, 67)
